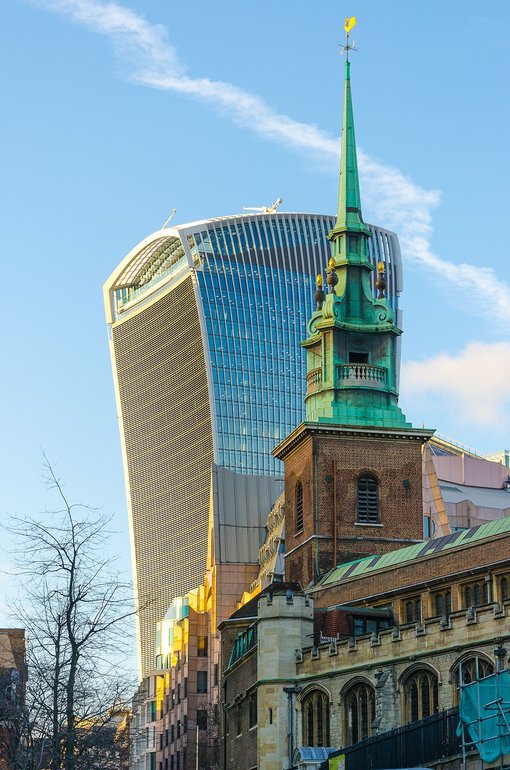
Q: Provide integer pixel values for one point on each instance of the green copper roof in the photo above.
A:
(417, 551)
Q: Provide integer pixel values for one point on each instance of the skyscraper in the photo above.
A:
(205, 323)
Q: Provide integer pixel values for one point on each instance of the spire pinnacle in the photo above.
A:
(349, 218)
(351, 352)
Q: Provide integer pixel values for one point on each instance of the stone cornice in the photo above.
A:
(307, 429)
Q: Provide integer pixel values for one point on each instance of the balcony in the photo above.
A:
(361, 375)
(313, 380)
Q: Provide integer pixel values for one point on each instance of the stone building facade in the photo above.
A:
(336, 688)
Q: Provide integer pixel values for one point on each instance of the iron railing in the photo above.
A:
(413, 745)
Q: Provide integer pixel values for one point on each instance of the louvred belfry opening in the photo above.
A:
(367, 503)
(299, 507)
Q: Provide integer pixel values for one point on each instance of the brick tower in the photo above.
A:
(353, 478)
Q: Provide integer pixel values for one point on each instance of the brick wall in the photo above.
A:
(328, 467)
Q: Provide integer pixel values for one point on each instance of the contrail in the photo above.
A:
(395, 200)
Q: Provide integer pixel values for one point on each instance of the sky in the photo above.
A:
(114, 113)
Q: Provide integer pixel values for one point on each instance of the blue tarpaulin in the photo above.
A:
(485, 710)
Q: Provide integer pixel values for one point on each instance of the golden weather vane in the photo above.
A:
(349, 23)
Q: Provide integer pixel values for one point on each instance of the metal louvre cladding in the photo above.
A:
(232, 328)
(168, 439)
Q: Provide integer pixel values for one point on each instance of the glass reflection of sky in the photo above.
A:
(257, 284)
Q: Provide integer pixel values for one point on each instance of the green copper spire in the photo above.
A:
(349, 219)
(351, 349)
(349, 200)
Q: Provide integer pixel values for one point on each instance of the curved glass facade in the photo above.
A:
(220, 306)
(257, 279)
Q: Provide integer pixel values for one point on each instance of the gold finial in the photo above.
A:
(319, 295)
(380, 284)
(349, 23)
(332, 278)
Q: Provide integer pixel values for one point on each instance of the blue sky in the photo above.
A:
(114, 113)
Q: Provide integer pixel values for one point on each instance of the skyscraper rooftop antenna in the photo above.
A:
(349, 24)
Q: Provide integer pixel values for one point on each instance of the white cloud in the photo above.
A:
(474, 383)
(394, 199)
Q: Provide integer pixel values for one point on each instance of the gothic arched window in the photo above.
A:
(299, 507)
(420, 695)
(476, 594)
(473, 668)
(412, 610)
(503, 588)
(367, 504)
(315, 711)
(359, 709)
(443, 604)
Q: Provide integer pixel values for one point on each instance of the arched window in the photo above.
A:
(476, 594)
(473, 668)
(413, 610)
(299, 507)
(359, 709)
(420, 695)
(443, 604)
(315, 711)
(367, 507)
(503, 589)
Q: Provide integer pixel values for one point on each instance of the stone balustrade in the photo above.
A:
(313, 379)
(364, 375)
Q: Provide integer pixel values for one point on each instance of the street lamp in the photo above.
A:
(290, 691)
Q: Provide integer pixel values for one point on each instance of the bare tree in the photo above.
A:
(74, 609)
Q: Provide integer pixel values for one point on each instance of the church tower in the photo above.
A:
(353, 469)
